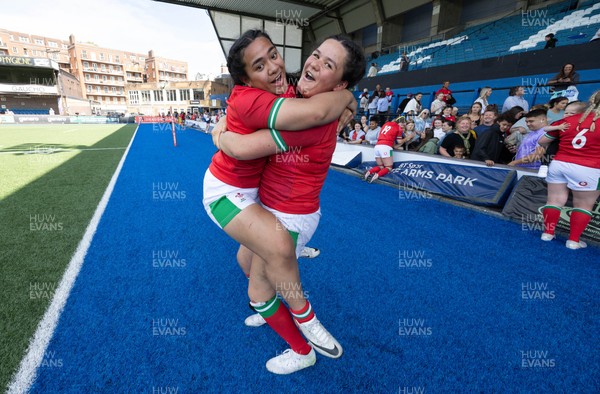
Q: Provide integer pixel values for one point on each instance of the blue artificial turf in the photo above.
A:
(391, 264)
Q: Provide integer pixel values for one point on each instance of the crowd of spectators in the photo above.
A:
(481, 133)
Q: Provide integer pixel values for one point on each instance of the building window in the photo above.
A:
(117, 58)
(110, 68)
(96, 77)
(95, 66)
(134, 97)
(104, 78)
(198, 94)
(101, 56)
(97, 89)
(171, 95)
(89, 89)
(25, 52)
(112, 78)
(158, 95)
(184, 94)
(65, 46)
(84, 54)
(23, 39)
(103, 67)
(114, 90)
(52, 44)
(15, 51)
(38, 41)
(145, 96)
(87, 77)
(11, 37)
(120, 90)
(86, 65)
(106, 89)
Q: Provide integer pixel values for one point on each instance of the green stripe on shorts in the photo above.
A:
(224, 211)
(294, 236)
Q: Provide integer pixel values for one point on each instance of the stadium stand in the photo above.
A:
(498, 38)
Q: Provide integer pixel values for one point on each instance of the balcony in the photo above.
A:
(100, 71)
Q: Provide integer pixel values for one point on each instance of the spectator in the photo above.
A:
(488, 119)
(404, 62)
(484, 94)
(408, 135)
(557, 109)
(438, 131)
(475, 114)
(565, 78)
(344, 134)
(356, 136)
(389, 95)
(364, 101)
(429, 144)
(373, 132)
(514, 114)
(462, 136)
(459, 151)
(372, 107)
(423, 121)
(364, 124)
(372, 70)
(51, 111)
(382, 104)
(403, 104)
(515, 98)
(454, 111)
(447, 114)
(490, 146)
(414, 106)
(550, 41)
(445, 90)
(538, 124)
(438, 104)
(410, 130)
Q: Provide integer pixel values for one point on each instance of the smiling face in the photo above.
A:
(323, 70)
(264, 67)
(567, 69)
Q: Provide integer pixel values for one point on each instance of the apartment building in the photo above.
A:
(102, 73)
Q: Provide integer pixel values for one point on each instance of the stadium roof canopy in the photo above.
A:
(295, 24)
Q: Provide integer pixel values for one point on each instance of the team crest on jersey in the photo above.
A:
(583, 184)
(240, 196)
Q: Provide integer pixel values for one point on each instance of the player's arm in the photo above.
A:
(249, 146)
(322, 108)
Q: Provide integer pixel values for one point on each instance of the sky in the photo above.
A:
(174, 32)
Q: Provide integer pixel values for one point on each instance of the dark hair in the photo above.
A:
(556, 100)
(458, 144)
(513, 90)
(355, 66)
(562, 74)
(535, 113)
(428, 136)
(235, 58)
(375, 119)
(551, 35)
(512, 113)
(503, 117)
(449, 122)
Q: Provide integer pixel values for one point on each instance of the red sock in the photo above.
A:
(383, 172)
(279, 319)
(579, 221)
(304, 314)
(551, 215)
(374, 170)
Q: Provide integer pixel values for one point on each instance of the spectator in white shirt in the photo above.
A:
(414, 105)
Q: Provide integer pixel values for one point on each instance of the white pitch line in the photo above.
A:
(25, 376)
(43, 149)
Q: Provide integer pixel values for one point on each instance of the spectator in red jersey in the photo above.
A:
(445, 90)
(447, 114)
(357, 135)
